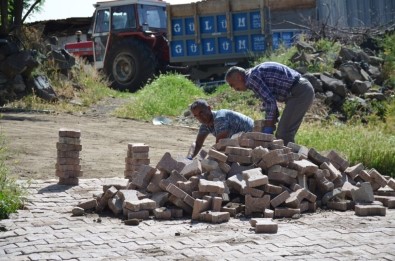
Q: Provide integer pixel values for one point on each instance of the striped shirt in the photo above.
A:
(271, 82)
(230, 121)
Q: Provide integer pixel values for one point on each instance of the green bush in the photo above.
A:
(388, 44)
(10, 192)
(368, 145)
(168, 95)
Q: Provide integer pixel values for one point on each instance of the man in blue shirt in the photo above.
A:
(222, 123)
(273, 82)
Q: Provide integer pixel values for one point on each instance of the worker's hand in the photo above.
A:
(268, 129)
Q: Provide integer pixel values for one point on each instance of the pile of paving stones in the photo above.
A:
(251, 175)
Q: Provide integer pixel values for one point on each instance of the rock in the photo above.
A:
(360, 87)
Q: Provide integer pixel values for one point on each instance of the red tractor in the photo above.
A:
(128, 41)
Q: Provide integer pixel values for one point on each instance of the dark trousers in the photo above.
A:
(296, 106)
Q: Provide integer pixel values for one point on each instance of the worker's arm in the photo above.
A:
(221, 135)
(199, 143)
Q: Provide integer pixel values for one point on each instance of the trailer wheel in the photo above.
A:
(130, 64)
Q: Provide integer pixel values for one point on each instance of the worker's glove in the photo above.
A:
(268, 129)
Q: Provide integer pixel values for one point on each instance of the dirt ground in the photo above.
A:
(31, 139)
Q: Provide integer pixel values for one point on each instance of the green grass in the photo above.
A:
(368, 145)
(168, 95)
(244, 102)
(10, 192)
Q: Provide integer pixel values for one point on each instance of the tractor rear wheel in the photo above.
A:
(130, 64)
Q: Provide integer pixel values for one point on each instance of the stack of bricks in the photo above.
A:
(137, 156)
(255, 176)
(68, 167)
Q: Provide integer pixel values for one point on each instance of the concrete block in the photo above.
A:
(370, 210)
(353, 171)
(232, 208)
(303, 167)
(256, 193)
(227, 142)
(236, 182)
(279, 199)
(115, 205)
(176, 212)
(70, 133)
(272, 189)
(284, 212)
(224, 167)
(180, 203)
(219, 156)
(256, 204)
(209, 165)
(143, 176)
(266, 226)
(255, 178)
(167, 163)
(162, 213)
(89, 204)
(341, 205)
(323, 184)
(315, 157)
(334, 173)
(192, 169)
(338, 161)
(279, 175)
(391, 183)
(268, 213)
(388, 201)
(143, 214)
(238, 151)
(236, 168)
(363, 194)
(160, 198)
(211, 186)
(274, 157)
(138, 147)
(214, 217)
(199, 206)
(173, 178)
(378, 178)
(240, 159)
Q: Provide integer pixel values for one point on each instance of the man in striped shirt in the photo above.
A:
(222, 123)
(273, 82)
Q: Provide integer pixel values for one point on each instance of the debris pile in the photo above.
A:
(253, 175)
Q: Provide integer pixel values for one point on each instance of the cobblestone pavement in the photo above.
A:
(48, 231)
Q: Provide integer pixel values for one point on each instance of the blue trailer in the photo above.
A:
(212, 35)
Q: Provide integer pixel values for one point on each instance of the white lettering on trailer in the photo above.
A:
(177, 28)
(193, 48)
(178, 48)
(224, 24)
(242, 22)
(209, 48)
(191, 27)
(208, 26)
(242, 44)
(225, 45)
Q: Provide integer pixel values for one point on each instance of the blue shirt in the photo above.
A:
(230, 121)
(271, 82)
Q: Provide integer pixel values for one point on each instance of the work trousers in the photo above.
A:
(296, 106)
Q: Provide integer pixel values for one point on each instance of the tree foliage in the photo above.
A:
(14, 12)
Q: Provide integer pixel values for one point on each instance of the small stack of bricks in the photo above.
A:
(254, 175)
(68, 167)
(137, 155)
